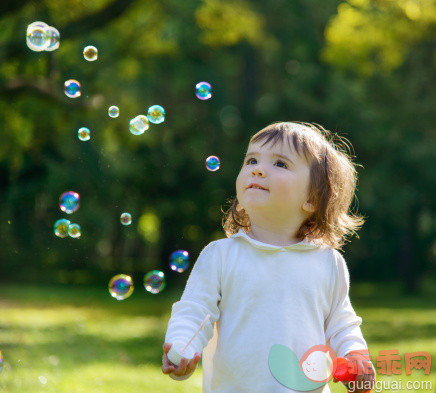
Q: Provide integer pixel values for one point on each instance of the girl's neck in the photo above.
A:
(273, 237)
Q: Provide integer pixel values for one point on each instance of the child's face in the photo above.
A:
(274, 182)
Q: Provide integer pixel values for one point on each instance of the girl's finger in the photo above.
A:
(192, 365)
(181, 369)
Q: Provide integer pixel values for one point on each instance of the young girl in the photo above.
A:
(278, 277)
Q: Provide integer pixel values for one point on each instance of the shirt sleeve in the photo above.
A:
(200, 298)
(342, 326)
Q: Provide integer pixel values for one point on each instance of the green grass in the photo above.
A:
(79, 339)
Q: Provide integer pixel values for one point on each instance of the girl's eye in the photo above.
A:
(281, 164)
(251, 161)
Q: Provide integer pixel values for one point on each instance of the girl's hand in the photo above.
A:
(366, 377)
(185, 368)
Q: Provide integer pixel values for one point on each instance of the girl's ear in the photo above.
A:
(309, 207)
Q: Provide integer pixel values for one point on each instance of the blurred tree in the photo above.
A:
(391, 45)
(265, 63)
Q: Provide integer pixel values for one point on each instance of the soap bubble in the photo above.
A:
(54, 38)
(138, 125)
(212, 163)
(69, 202)
(154, 281)
(72, 88)
(61, 227)
(203, 90)
(156, 114)
(84, 134)
(113, 111)
(74, 230)
(126, 218)
(38, 36)
(90, 53)
(179, 260)
(1, 362)
(121, 286)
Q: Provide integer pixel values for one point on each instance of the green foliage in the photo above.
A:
(376, 35)
(265, 61)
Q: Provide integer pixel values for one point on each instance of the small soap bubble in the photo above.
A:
(121, 286)
(69, 202)
(156, 114)
(154, 281)
(74, 230)
(138, 125)
(72, 88)
(212, 163)
(84, 134)
(203, 90)
(1, 362)
(42, 379)
(54, 39)
(179, 260)
(113, 111)
(38, 36)
(90, 53)
(60, 227)
(126, 218)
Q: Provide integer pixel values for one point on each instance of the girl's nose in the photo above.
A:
(257, 172)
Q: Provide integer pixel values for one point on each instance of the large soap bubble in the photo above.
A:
(60, 227)
(121, 286)
(69, 202)
(138, 125)
(212, 163)
(72, 88)
(90, 53)
(154, 281)
(38, 36)
(203, 90)
(156, 114)
(179, 260)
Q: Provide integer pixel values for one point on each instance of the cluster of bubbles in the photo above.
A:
(69, 203)
(121, 286)
(139, 124)
(126, 218)
(64, 228)
(90, 53)
(203, 90)
(84, 134)
(42, 37)
(212, 163)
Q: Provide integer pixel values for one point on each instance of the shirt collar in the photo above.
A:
(301, 246)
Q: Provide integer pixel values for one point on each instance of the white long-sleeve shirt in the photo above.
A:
(259, 295)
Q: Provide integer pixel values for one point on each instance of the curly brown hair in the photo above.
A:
(333, 181)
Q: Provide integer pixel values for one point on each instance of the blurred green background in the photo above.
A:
(365, 69)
